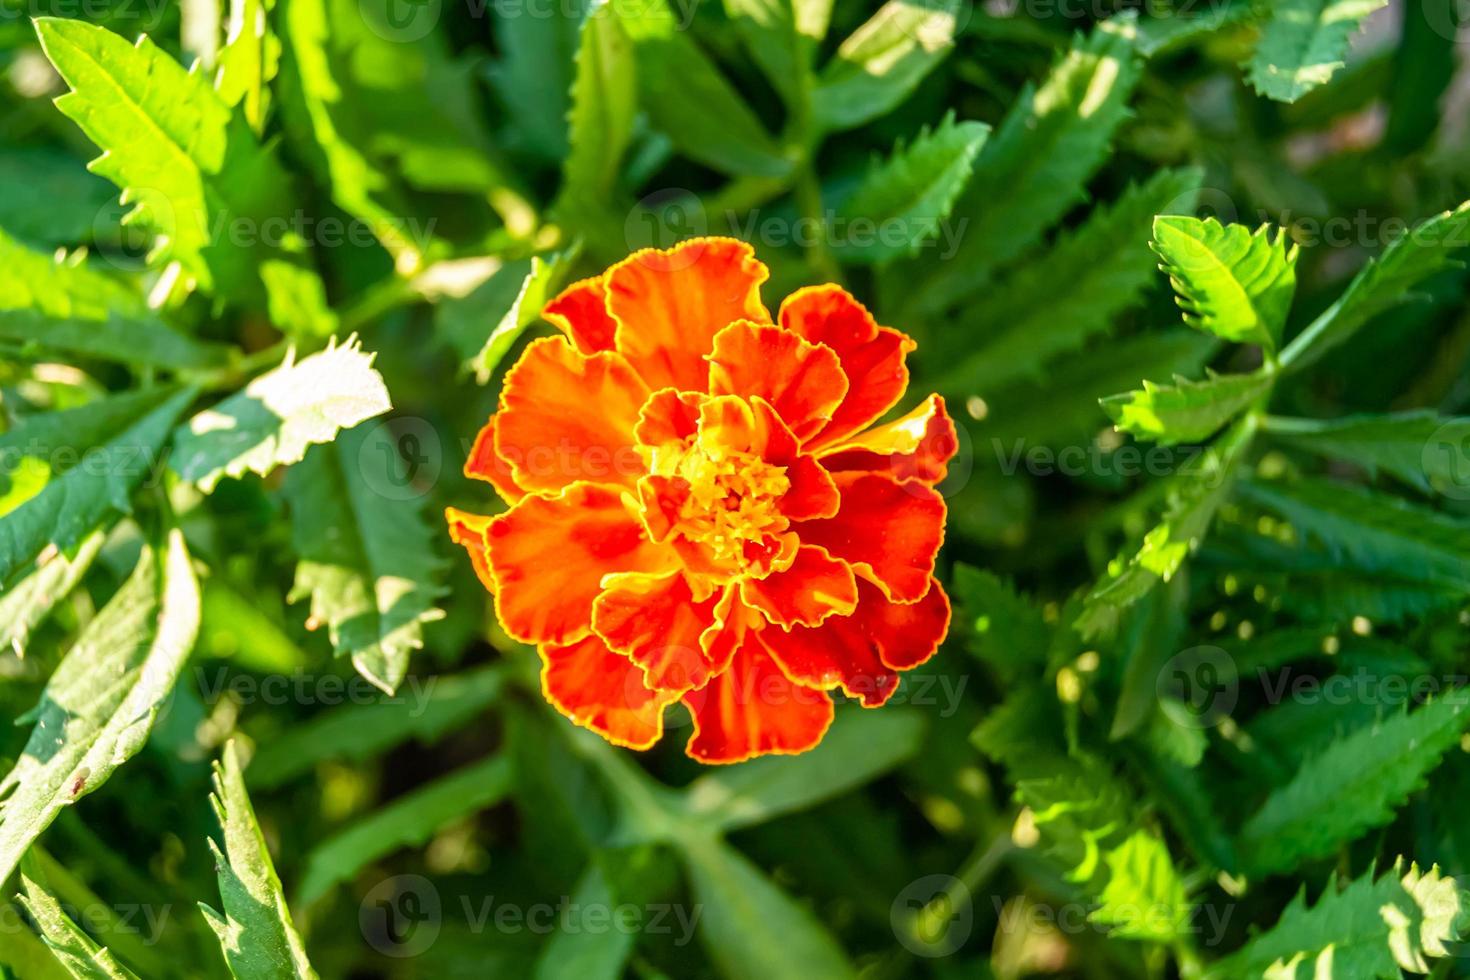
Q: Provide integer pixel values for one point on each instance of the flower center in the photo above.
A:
(730, 506)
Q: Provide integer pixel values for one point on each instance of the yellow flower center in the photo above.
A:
(731, 501)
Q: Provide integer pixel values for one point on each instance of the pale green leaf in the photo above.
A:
(100, 703)
(604, 104)
(882, 61)
(275, 417)
(779, 42)
(76, 951)
(249, 60)
(254, 929)
(1230, 282)
(541, 283)
(1186, 411)
(1144, 897)
(23, 607)
(1303, 44)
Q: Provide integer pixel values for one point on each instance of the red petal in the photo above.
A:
(754, 709)
(863, 653)
(580, 312)
(670, 304)
(603, 691)
(548, 556)
(815, 586)
(918, 446)
(655, 621)
(469, 530)
(872, 357)
(485, 463)
(567, 417)
(669, 416)
(888, 531)
(802, 381)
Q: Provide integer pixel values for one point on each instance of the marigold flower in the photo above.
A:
(702, 509)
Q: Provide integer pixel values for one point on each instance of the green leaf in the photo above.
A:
(274, 418)
(752, 929)
(99, 705)
(582, 954)
(1035, 167)
(249, 60)
(1006, 630)
(542, 281)
(856, 749)
(1383, 283)
(1195, 494)
(69, 306)
(1174, 28)
(119, 439)
(533, 75)
(1352, 787)
(701, 113)
(48, 198)
(203, 184)
(1229, 281)
(1144, 897)
(1371, 531)
(782, 36)
(366, 553)
(604, 105)
(358, 732)
(76, 951)
(255, 930)
(23, 607)
(905, 199)
(1423, 449)
(1303, 44)
(28, 957)
(1186, 411)
(881, 62)
(408, 821)
(1370, 930)
(1024, 322)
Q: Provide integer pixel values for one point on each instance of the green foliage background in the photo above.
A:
(1200, 712)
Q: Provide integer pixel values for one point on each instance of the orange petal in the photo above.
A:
(918, 446)
(603, 691)
(469, 530)
(872, 357)
(802, 381)
(728, 423)
(670, 304)
(888, 531)
(863, 653)
(669, 416)
(754, 709)
(813, 587)
(580, 312)
(548, 556)
(655, 621)
(485, 463)
(567, 417)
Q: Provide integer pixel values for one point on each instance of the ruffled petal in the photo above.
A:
(872, 357)
(918, 446)
(814, 586)
(754, 709)
(484, 463)
(802, 381)
(604, 691)
(669, 416)
(580, 312)
(668, 306)
(863, 653)
(548, 556)
(567, 417)
(470, 530)
(888, 531)
(655, 620)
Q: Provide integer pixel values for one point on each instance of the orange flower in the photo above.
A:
(702, 509)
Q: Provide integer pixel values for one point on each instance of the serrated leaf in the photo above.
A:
(23, 607)
(249, 60)
(119, 439)
(1035, 166)
(100, 703)
(1352, 787)
(1303, 44)
(202, 183)
(67, 305)
(366, 553)
(541, 283)
(604, 105)
(782, 36)
(1144, 897)
(1024, 322)
(1370, 930)
(75, 950)
(881, 62)
(1186, 411)
(254, 929)
(910, 193)
(274, 418)
(1006, 630)
(1425, 450)
(1383, 283)
(410, 820)
(533, 75)
(1176, 27)
(1230, 282)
